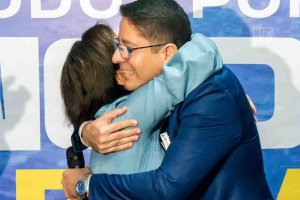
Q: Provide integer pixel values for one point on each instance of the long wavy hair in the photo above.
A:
(88, 75)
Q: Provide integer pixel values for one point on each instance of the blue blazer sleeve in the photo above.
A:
(208, 131)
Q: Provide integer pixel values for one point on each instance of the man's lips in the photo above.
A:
(126, 72)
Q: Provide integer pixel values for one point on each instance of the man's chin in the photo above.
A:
(131, 85)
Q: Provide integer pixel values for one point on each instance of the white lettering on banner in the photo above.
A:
(55, 121)
(198, 6)
(20, 129)
(11, 10)
(37, 12)
(92, 12)
(282, 130)
(295, 8)
(250, 12)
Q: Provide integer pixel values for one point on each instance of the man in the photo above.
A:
(215, 150)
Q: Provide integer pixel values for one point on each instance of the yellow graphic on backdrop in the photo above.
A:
(31, 184)
(290, 186)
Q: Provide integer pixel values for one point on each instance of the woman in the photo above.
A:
(88, 77)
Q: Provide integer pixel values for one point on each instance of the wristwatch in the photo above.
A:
(82, 186)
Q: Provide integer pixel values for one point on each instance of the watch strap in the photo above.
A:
(85, 181)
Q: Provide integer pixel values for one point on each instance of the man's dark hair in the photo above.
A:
(159, 21)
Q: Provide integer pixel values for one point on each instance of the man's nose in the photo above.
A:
(117, 58)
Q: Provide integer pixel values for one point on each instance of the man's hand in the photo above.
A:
(69, 179)
(107, 137)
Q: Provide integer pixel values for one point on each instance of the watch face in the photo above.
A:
(80, 188)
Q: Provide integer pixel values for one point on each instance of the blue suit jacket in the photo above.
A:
(215, 151)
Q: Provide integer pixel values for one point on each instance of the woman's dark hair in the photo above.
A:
(88, 75)
(159, 21)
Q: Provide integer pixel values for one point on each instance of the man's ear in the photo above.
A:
(168, 51)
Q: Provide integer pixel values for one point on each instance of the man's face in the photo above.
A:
(143, 64)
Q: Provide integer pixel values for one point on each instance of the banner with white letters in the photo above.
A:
(258, 39)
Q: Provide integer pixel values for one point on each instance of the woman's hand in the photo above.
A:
(105, 137)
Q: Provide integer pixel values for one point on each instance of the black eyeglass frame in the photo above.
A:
(131, 49)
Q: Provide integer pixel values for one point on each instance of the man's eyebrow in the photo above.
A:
(122, 41)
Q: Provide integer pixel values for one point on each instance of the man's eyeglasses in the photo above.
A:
(125, 51)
